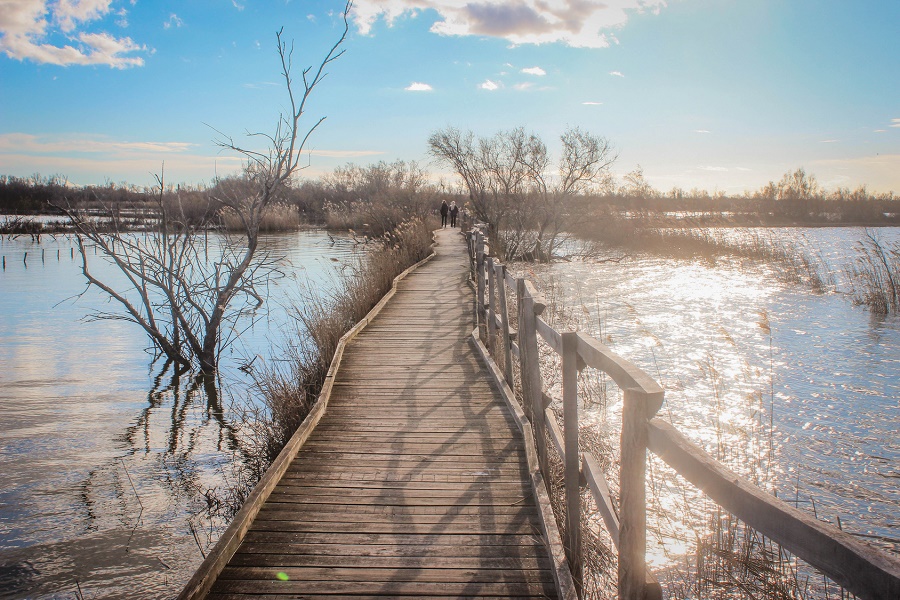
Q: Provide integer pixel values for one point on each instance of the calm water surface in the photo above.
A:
(108, 466)
(737, 350)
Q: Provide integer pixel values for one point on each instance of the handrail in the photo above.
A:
(866, 571)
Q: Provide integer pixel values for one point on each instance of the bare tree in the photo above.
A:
(179, 285)
(512, 188)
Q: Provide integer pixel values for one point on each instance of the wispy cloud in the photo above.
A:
(534, 71)
(827, 141)
(581, 23)
(174, 21)
(525, 85)
(616, 74)
(261, 85)
(417, 86)
(701, 131)
(894, 123)
(26, 143)
(880, 131)
(489, 85)
(714, 169)
(592, 103)
(240, 7)
(26, 26)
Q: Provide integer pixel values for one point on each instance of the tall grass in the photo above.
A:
(875, 275)
(793, 263)
(276, 217)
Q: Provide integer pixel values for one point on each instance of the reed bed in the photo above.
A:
(276, 217)
(795, 263)
(875, 275)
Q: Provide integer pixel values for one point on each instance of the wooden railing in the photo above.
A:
(861, 569)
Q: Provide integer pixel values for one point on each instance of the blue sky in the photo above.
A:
(716, 94)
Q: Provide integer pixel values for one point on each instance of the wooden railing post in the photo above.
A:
(573, 457)
(500, 272)
(479, 281)
(470, 243)
(492, 302)
(636, 412)
(530, 370)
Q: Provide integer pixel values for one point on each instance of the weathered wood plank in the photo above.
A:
(525, 563)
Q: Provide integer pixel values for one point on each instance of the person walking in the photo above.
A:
(444, 210)
(454, 210)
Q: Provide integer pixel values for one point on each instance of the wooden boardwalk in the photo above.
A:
(415, 482)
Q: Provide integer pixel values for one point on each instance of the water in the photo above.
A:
(110, 469)
(737, 349)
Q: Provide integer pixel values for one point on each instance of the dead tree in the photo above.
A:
(180, 285)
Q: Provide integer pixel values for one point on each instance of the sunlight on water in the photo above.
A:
(107, 465)
(737, 350)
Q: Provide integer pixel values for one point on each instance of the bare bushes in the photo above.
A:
(875, 275)
(291, 387)
(512, 186)
(376, 199)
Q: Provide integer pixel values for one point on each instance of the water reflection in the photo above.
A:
(117, 473)
(794, 390)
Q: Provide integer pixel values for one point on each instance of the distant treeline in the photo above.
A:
(374, 198)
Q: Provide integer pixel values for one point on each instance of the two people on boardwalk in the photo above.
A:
(452, 210)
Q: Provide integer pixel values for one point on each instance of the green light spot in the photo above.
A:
(282, 576)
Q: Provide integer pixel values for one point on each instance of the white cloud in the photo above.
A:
(714, 169)
(523, 86)
(701, 131)
(26, 25)
(616, 74)
(70, 13)
(417, 86)
(880, 131)
(174, 21)
(827, 141)
(894, 123)
(534, 71)
(592, 103)
(240, 7)
(577, 23)
(489, 85)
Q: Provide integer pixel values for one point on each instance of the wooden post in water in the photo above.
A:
(491, 322)
(500, 271)
(573, 457)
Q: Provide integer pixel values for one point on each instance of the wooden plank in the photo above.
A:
(506, 589)
(254, 559)
(373, 574)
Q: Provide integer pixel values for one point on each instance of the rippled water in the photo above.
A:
(735, 347)
(104, 460)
